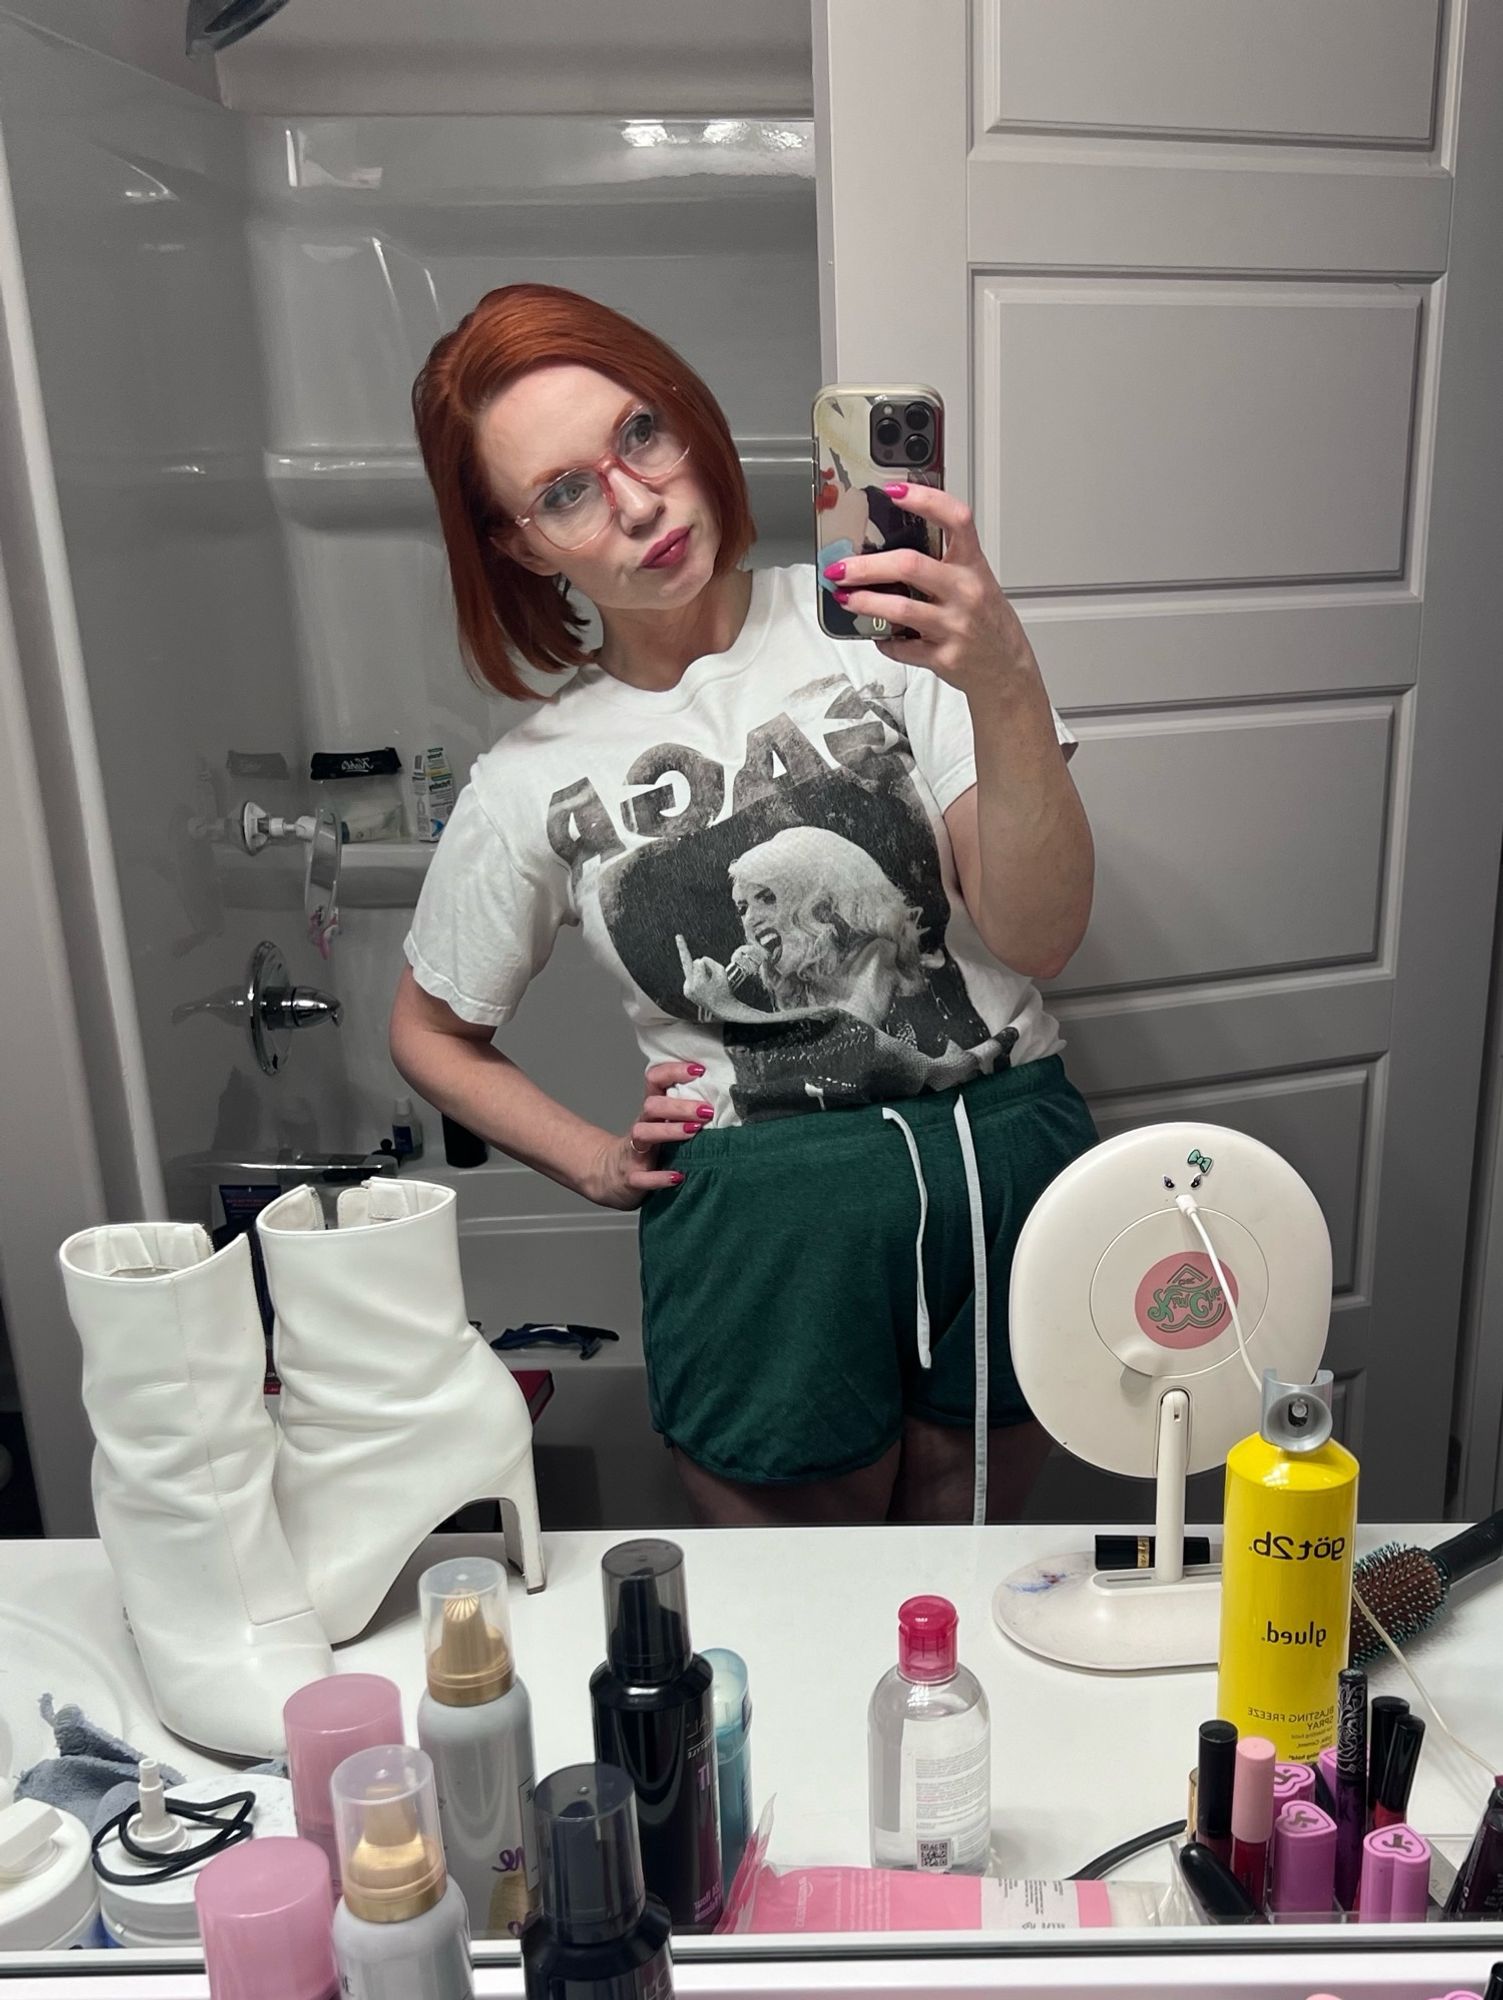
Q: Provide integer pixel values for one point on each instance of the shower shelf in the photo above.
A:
(353, 487)
(373, 875)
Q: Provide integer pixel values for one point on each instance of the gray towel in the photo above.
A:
(93, 1776)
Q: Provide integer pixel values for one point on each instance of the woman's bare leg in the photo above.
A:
(936, 1475)
(854, 1497)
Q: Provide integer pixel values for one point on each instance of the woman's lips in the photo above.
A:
(668, 551)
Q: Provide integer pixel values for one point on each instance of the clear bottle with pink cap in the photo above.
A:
(929, 1739)
(266, 1911)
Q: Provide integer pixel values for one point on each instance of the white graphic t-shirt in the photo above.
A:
(758, 857)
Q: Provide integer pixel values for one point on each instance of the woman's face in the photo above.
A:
(561, 416)
(757, 907)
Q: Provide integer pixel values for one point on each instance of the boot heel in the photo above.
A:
(520, 1525)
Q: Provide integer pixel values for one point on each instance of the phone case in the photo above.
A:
(852, 514)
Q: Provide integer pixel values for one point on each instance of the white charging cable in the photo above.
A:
(1190, 1208)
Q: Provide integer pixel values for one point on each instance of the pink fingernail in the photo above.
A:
(677, 1179)
(692, 1129)
(842, 597)
(836, 570)
(704, 1111)
(897, 489)
(696, 1069)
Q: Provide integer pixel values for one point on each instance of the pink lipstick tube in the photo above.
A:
(1395, 1877)
(1302, 1881)
(1252, 1816)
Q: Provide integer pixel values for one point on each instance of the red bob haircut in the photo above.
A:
(504, 609)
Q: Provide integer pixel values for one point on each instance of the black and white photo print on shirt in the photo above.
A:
(808, 924)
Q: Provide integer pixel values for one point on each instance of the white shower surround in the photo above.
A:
(228, 306)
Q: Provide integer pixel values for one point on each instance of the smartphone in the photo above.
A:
(867, 434)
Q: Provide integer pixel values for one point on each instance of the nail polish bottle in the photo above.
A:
(597, 1934)
(654, 1718)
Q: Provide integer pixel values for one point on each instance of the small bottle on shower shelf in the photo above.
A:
(929, 1739)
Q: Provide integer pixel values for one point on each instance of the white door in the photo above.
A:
(1211, 288)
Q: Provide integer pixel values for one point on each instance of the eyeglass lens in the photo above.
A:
(574, 508)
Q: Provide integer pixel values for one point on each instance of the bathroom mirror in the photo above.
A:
(1200, 290)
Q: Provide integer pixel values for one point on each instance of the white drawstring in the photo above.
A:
(978, 1264)
(918, 1248)
(979, 1273)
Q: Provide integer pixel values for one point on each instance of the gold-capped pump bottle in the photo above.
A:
(1286, 1578)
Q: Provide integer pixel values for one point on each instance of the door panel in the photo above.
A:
(1341, 72)
(1208, 286)
(1212, 398)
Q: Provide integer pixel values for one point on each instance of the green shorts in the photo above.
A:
(780, 1296)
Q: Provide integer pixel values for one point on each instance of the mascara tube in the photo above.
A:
(1216, 1776)
(1351, 1781)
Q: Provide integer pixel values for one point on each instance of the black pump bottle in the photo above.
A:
(596, 1934)
(655, 1719)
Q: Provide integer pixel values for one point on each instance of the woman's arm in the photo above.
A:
(1022, 843)
(455, 1065)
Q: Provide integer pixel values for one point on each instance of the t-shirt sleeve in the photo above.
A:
(487, 917)
(939, 728)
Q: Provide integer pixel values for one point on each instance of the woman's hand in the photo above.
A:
(968, 633)
(627, 1171)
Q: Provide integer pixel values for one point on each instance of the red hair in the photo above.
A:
(504, 608)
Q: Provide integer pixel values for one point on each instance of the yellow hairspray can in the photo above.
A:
(1286, 1577)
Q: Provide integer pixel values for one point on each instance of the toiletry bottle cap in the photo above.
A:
(927, 1628)
(589, 1853)
(327, 1721)
(466, 1631)
(1297, 1415)
(265, 1909)
(391, 1856)
(646, 1611)
(729, 1691)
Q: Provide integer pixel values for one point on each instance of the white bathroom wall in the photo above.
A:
(130, 205)
(229, 301)
(371, 237)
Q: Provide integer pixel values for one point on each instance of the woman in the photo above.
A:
(820, 1162)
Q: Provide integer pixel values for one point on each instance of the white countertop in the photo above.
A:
(1081, 1761)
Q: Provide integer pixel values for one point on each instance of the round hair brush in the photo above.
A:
(1407, 1588)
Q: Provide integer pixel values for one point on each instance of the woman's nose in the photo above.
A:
(634, 501)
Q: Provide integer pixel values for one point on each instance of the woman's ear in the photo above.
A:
(509, 540)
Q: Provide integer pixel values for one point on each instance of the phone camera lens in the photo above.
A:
(918, 416)
(888, 431)
(917, 449)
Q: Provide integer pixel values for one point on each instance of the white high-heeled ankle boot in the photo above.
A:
(394, 1412)
(174, 1361)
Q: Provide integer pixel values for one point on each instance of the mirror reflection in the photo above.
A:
(741, 742)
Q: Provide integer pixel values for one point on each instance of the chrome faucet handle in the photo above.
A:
(300, 1007)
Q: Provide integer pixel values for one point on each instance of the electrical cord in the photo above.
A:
(1422, 1691)
(228, 1833)
(1115, 1856)
(1189, 1207)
